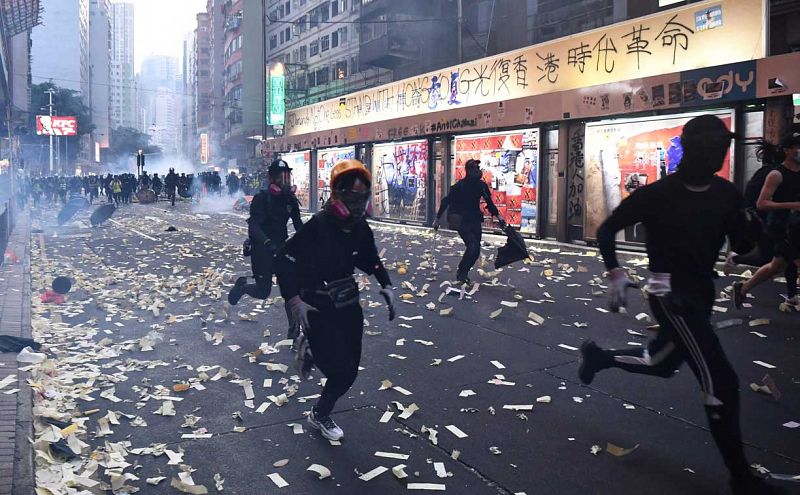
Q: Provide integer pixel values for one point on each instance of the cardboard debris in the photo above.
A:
(618, 451)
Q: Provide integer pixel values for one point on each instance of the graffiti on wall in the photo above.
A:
(576, 175)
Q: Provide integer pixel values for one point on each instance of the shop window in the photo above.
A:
(300, 163)
(510, 164)
(326, 159)
(399, 176)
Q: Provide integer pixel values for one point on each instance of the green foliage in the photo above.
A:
(126, 141)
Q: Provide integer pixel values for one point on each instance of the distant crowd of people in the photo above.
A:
(121, 188)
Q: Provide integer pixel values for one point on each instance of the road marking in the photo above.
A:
(132, 230)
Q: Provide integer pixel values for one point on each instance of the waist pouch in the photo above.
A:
(337, 294)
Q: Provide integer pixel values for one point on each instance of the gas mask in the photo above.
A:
(349, 207)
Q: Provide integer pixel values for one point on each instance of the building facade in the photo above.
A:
(100, 49)
(60, 46)
(243, 81)
(201, 73)
(564, 128)
(159, 93)
(123, 82)
(317, 42)
(188, 109)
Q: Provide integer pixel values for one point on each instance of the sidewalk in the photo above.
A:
(16, 425)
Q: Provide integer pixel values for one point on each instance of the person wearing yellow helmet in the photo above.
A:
(315, 274)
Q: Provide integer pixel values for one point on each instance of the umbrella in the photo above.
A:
(101, 214)
(62, 285)
(73, 206)
(514, 250)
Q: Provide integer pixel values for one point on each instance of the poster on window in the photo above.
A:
(300, 163)
(510, 165)
(622, 156)
(399, 173)
(326, 159)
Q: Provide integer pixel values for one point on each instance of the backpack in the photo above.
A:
(752, 190)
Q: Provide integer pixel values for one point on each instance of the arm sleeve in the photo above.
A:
(629, 212)
(295, 213)
(368, 260)
(445, 203)
(258, 211)
(741, 227)
(291, 257)
(487, 196)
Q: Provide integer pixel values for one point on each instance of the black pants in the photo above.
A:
(335, 340)
(262, 262)
(686, 335)
(470, 233)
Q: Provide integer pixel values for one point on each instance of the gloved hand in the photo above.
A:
(436, 224)
(388, 296)
(618, 284)
(300, 310)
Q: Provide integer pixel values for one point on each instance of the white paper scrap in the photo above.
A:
(791, 424)
(398, 471)
(498, 365)
(408, 411)
(766, 365)
(371, 474)
(435, 487)
(456, 431)
(567, 347)
(321, 470)
(386, 416)
(278, 480)
(440, 470)
(391, 455)
(519, 407)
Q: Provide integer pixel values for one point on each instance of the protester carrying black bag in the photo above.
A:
(464, 215)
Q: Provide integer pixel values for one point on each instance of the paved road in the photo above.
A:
(463, 369)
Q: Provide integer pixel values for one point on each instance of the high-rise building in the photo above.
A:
(60, 46)
(100, 70)
(188, 110)
(243, 80)
(158, 100)
(123, 91)
(317, 42)
(216, 72)
(201, 73)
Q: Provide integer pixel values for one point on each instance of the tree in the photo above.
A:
(126, 141)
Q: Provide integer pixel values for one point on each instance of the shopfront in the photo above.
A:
(300, 163)
(399, 181)
(622, 155)
(510, 164)
(326, 159)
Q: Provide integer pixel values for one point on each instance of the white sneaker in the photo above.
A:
(792, 301)
(729, 265)
(326, 426)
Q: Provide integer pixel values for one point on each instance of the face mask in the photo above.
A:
(474, 173)
(349, 206)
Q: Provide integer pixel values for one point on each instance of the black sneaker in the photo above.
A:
(326, 426)
(236, 291)
(738, 297)
(464, 279)
(753, 485)
(592, 360)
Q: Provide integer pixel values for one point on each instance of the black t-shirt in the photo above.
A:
(685, 229)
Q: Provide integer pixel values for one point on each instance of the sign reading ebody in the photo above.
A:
(661, 43)
(47, 125)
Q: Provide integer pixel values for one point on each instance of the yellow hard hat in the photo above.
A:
(349, 166)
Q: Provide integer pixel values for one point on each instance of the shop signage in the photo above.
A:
(204, 148)
(277, 97)
(724, 83)
(47, 125)
(666, 42)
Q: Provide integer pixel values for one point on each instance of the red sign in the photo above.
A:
(56, 126)
(204, 148)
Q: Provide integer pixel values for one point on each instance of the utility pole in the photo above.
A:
(460, 32)
(50, 106)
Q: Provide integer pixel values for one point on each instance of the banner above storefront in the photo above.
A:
(692, 37)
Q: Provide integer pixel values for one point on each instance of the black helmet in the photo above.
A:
(278, 166)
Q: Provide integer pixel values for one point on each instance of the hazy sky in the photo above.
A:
(160, 26)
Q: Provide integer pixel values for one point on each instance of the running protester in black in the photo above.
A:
(465, 215)
(270, 210)
(780, 196)
(315, 273)
(687, 216)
